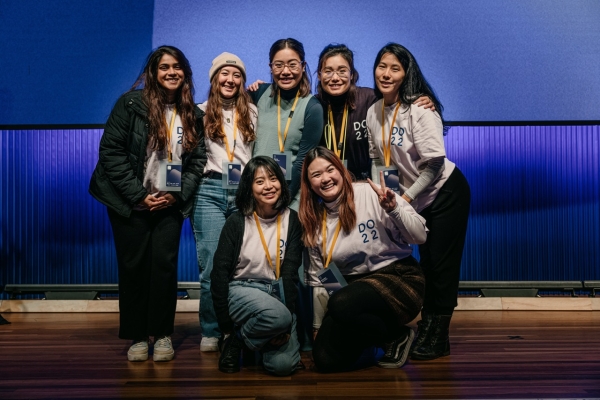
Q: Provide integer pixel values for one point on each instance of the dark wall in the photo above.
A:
(67, 61)
(508, 60)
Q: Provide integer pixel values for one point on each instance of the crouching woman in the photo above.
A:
(364, 232)
(254, 273)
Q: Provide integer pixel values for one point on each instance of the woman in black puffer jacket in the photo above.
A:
(151, 160)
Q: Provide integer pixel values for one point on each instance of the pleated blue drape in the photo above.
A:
(535, 212)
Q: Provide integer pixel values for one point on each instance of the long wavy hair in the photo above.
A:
(244, 198)
(414, 84)
(332, 50)
(214, 112)
(298, 48)
(156, 99)
(311, 204)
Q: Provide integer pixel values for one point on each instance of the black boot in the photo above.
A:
(437, 343)
(229, 361)
(3, 321)
(423, 328)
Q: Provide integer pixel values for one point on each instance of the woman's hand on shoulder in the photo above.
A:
(425, 102)
(253, 87)
(387, 198)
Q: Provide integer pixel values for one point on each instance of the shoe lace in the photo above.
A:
(163, 342)
(388, 347)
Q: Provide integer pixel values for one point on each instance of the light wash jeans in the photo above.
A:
(212, 206)
(260, 317)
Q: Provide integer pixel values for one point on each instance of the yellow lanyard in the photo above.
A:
(335, 236)
(264, 243)
(169, 130)
(334, 145)
(387, 149)
(289, 119)
(230, 154)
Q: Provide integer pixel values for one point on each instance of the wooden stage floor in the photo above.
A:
(495, 355)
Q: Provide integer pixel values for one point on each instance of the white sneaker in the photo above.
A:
(138, 351)
(209, 344)
(163, 349)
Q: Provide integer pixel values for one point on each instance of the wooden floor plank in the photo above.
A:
(495, 355)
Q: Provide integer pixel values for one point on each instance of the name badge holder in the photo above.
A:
(232, 173)
(169, 176)
(390, 174)
(169, 171)
(277, 290)
(331, 278)
(391, 177)
(284, 160)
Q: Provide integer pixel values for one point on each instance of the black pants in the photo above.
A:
(357, 317)
(441, 255)
(147, 247)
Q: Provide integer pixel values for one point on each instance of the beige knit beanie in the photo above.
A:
(226, 59)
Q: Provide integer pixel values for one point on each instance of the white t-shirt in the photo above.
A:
(252, 263)
(216, 152)
(377, 240)
(417, 137)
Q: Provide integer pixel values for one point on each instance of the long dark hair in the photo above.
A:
(414, 84)
(311, 205)
(156, 99)
(342, 50)
(214, 112)
(296, 46)
(244, 198)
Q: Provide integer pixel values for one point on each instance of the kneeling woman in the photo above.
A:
(254, 272)
(367, 231)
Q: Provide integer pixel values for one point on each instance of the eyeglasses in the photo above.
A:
(293, 66)
(342, 73)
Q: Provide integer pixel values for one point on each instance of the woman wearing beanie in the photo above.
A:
(290, 119)
(361, 232)
(229, 123)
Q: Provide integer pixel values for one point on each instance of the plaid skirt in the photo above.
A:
(401, 284)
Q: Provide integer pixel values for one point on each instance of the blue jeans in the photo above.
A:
(260, 317)
(212, 206)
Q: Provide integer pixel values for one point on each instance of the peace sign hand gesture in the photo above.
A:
(387, 198)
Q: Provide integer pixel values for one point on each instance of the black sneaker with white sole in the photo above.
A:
(396, 352)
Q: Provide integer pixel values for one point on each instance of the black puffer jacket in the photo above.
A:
(117, 179)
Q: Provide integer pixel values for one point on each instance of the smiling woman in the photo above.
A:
(151, 158)
(363, 232)
(409, 140)
(287, 109)
(170, 75)
(255, 272)
(345, 105)
(230, 124)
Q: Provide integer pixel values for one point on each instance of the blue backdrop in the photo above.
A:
(536, 189)
(512, 60)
